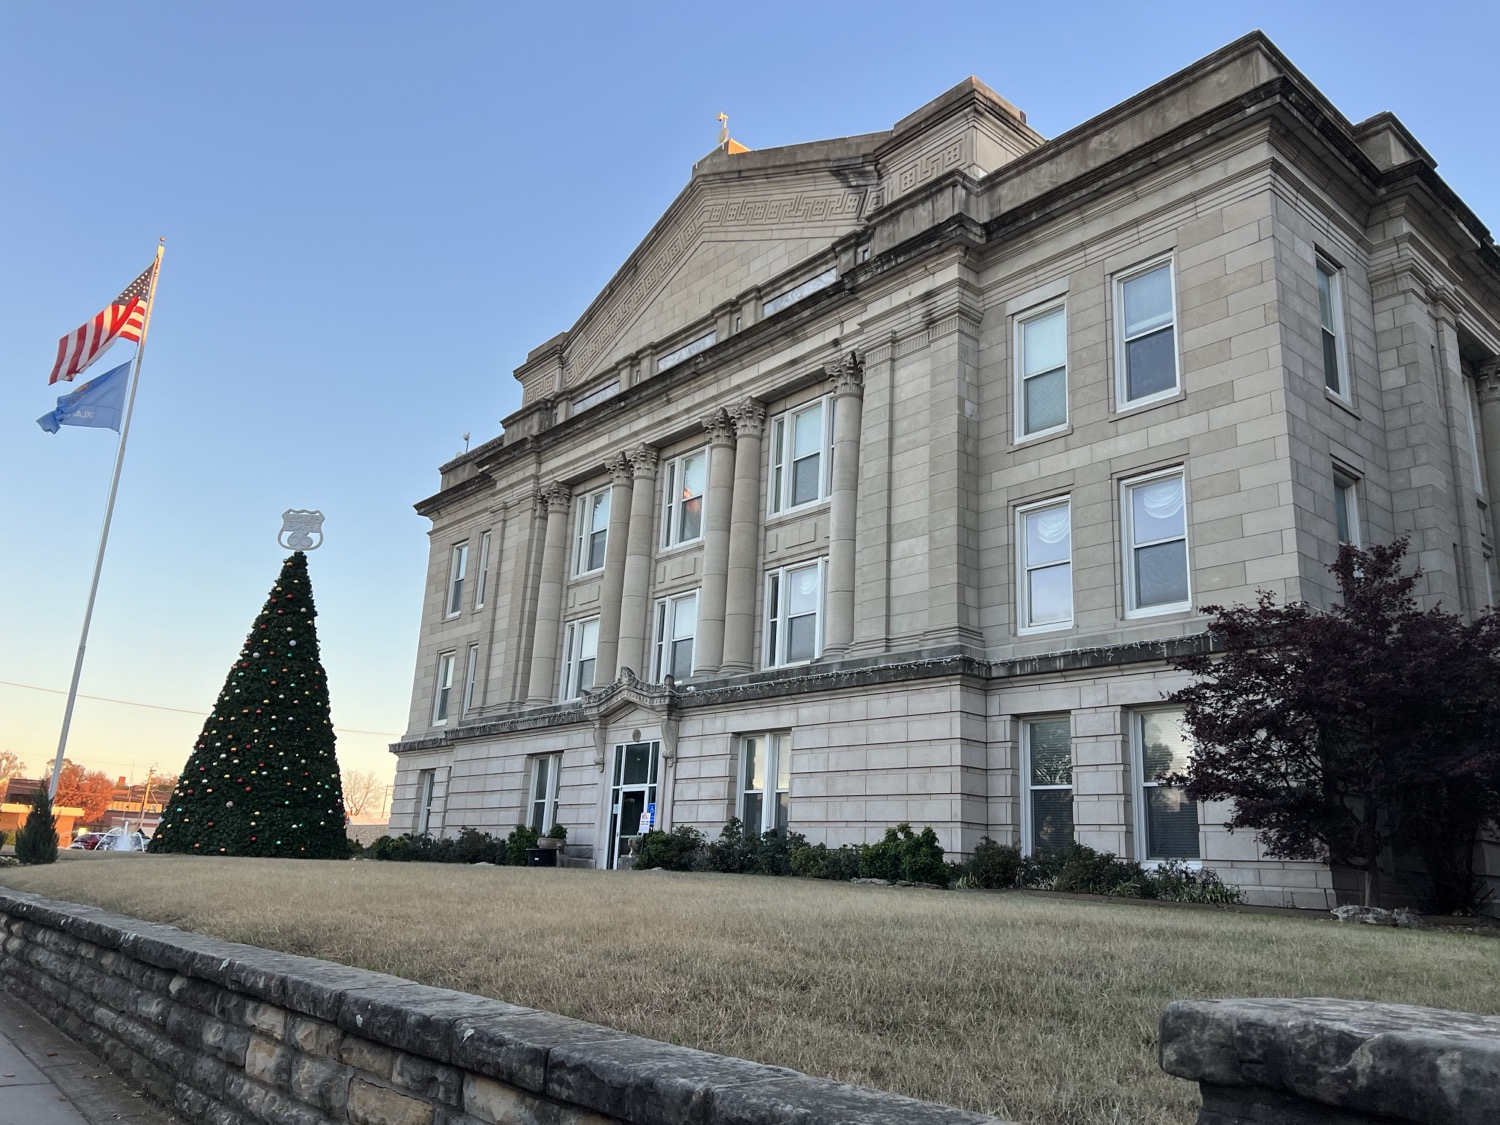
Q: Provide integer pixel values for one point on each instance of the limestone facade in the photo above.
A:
(883, 480)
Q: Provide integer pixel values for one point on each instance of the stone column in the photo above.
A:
(612, 587)
(637, 584)
(749, 419)
(543, 687)
(1488, 385)
(848, 406)
(709, 651)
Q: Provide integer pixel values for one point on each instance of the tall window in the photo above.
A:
(765, 782)
(1345, 509)
(1156, 551)
(471, 674)
(1042, 373)
(801, 442)
(443, 694)
(1331, 319)
(458, 567)
(1047, 757)
(481, 587)
(544, 771)
(1044, 568)
(426, 783)
(676, 630)
(1167, 820)
(794, 614)
(592, 534)
(578, 658)
(684, 483)
(1146, 360)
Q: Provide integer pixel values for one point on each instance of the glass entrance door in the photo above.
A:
(632, 795)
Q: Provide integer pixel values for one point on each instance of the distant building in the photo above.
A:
(883, 480)
(136, 806)
(16, 795)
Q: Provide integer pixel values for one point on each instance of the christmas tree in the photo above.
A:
(263, 779)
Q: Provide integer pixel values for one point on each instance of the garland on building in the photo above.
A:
(263, 779)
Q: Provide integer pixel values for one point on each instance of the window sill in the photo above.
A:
(1022, 442)
(1178, 610)
(794, 513)
(1190, 864)
(1130, 409)
(1344, 404)
(677, 548)
(1043, 630)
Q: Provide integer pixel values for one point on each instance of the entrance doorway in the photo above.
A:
(632, 796)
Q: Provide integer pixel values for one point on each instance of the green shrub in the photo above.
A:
(36, 842)
(905, 855)
(733, 853)
(354, 846)
(993, 865)
(1174, 881)
(678, 850)
(819, 861)
(521, 837)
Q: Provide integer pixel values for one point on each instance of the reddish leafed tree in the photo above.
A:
(89, 790)
(1340, 733)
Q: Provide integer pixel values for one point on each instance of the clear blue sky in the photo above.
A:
(373, 211)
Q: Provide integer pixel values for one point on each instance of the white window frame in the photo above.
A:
(458, 569)
(1129, 545)
(442, 693)
(1346, 486)
(777, 746)
(583, 533)
(547, 799)
(471, 674)
(1335, 275)
(426, 785)
(1018, 336)
(1024, 567)
(577, 652)
(1028, 817)
(774, 629)
(672, 500)
(1122, 371)
(779, 498)
(664, 618)
(1135, 735)
(482, 581)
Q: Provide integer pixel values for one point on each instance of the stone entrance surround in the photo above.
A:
(229, 1034)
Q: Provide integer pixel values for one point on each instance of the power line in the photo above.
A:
(162, 707)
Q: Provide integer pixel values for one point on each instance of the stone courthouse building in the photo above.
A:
(882, 481)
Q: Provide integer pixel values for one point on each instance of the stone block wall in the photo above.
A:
(1344, 1062)
(229, 1034)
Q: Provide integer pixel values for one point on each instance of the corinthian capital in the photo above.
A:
(848, 375)
(1487, 380)
(749, 418)
(557, 497)
(619, 469)
(643, 460)
(720, 427)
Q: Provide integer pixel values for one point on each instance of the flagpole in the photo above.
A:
(109, 511)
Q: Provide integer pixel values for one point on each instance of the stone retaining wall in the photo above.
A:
(229, 1034)
(1336, 1062)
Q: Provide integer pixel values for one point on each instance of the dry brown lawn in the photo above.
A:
(1023, 1006)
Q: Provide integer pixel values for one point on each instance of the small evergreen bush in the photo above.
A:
(819, 861)
(902, 854)
(521, 838)
(36, 842)
(678, 850)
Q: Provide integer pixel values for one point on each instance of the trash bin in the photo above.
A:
(541, 857)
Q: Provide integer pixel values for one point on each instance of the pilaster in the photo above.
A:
(543, 683)
(749, 418)
(848, 400)
(709, 649)
(612, 586)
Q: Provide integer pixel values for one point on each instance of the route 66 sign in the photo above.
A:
(301, 529)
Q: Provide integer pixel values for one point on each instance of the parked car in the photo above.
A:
(88, 841)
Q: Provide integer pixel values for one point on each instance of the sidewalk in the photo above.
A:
(47, 1079)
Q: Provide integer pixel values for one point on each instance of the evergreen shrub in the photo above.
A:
(36, 842)
(902, 854)
(678, 850)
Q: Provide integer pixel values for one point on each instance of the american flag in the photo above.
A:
(123, 319)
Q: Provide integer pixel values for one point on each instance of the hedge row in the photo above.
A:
(901, 856)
